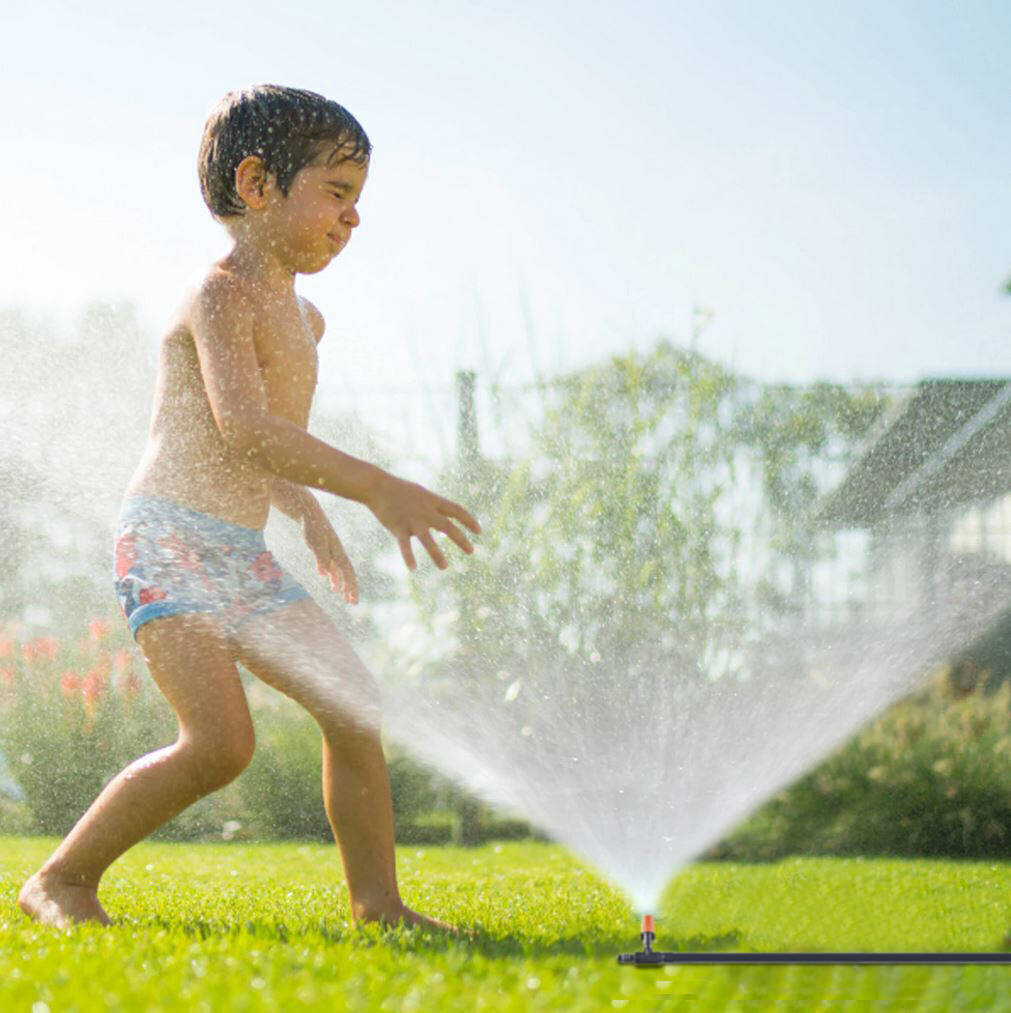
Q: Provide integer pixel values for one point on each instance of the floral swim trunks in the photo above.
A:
(171, 560)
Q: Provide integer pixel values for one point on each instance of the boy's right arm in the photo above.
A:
(222, 326)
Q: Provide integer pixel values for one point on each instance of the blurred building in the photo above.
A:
(929, 501)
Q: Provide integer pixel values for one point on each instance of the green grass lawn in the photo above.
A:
(250, 927)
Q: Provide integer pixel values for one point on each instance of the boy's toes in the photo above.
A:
(416, 920)
(404, 916)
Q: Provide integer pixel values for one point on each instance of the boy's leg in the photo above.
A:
(190, 659)
(298, 650)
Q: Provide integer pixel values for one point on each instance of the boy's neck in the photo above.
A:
(252, 261)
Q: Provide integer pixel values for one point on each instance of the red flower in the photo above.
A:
(70, 683)
(6, 677)
(150, 594)
(41, 647)
(98, 628)
(126, 555)
(121, 660)
(92, 688)
(93, 684)
(265, 568)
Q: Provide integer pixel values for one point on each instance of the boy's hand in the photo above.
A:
(409, 510)
(331, 559)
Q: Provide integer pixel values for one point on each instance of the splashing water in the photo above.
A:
(637, 762)
(641, 769)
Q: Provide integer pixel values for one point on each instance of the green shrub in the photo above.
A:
(15, 818)
(281, 789)
(72, 714)
(414, 790)
(930, 777)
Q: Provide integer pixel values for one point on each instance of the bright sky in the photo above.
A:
(551, 182)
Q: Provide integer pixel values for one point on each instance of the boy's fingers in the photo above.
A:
(405, 551)
(447, 527)
(451, 509)
(426, 539)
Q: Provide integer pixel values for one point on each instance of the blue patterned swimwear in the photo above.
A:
(171, 559)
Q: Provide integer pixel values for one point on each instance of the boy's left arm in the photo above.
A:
(294, 501)
(298, 503)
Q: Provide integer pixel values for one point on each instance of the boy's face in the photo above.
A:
(310, 226)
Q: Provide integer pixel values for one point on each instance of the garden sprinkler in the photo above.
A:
(647, 957)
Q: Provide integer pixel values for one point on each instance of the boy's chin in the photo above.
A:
(315, 266)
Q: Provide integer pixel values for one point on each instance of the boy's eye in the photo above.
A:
(343, 195)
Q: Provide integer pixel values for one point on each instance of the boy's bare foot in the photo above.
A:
(404, 916)
(51, 902)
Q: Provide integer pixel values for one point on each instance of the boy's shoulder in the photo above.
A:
(219, 284)
(214, 290)
(313, 317)
(221, 288)
(215, 300)
(227, 296)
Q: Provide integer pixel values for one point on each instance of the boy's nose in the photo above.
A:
(352, 217)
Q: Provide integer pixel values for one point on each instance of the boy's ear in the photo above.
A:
(252, 181)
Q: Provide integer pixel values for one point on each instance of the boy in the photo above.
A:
(282, 169)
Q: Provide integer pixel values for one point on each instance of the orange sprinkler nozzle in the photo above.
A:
(647, 934)
(647, 958)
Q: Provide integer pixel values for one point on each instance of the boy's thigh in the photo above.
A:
(298, 650)
(190, 658)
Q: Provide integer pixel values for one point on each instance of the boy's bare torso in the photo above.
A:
(186, 459)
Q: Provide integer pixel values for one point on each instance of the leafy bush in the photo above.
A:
(281, 789)
(72, 714)
(930, 777)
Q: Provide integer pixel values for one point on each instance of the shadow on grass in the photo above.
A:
(472, 937)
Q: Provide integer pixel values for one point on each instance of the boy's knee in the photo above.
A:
(215, 763)
(349, 704)
(352, 743)
(347, 722)
(367, 700)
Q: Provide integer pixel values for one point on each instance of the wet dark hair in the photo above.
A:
(287, 127)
